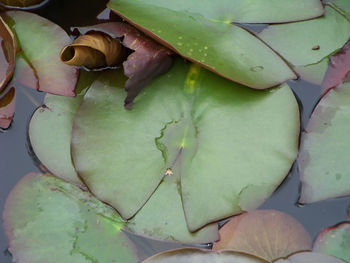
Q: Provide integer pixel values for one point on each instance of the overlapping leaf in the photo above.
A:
(323, 158)
(123, 155)
(226, 49)
(22, 3)
(42, 52)
(50, 130)
(48, 220)
(335, 241)
(307, 45)
(200, 256)
(7, 54)
(310, 257)
(268, 234)
(148, 60)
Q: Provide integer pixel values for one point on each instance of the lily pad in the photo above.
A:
(307, 43)
(42, 51)
(148, 60)
(48, 220)
(314, 73)
(21, 3)
(189, 255)
(343, 6)
(323, 158)
(7, 108)
(310, 257)
(227, 49)
(338, 70)
(7, 54)
(50, 130)
(211, 128)
(268, 234)
(335, 241)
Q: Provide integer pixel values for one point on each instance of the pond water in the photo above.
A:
(17, 159)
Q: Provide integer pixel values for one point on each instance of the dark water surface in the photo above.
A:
(16, 159)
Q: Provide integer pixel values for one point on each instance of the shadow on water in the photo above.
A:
(16, 157)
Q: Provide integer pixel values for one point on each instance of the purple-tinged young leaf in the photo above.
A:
(7, 108)
(49, 220)
(8, 47)
(40, 42)
(268, 234)
(334, 241)
(310, 257)
(148, 60)
(338, 70)
(192, 255)
(325, 148)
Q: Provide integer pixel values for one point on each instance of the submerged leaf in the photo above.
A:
(148, 60)
(192, 255)
(325, 146)
(7, 108)
(338, 70)
(308, 43)
(50, 130)
(226, 49)
(268, 234)
(335, 241)
(48, 220)
(42, 52)
(310, 257)
(8, 47)
(210, 128)
(93, 50)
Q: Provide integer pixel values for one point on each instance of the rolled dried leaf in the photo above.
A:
(93, 50)
(7, 108)
(7, 54)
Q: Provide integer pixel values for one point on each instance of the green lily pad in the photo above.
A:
(41, 41)
(7, 54)
(310, 257)
(21, 3)
(48, 220)
(335, 241)
(268, 234)
(323, 158)
(51, 128)
(307, 45)
(226, 49)
(313, 73)
(188, 255)
(343, 6)
(210, 129)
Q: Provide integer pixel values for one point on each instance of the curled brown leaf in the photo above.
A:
(93, 50)
(7, 108)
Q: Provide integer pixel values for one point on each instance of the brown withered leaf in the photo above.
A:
(148, 60)
(93, 50)
(338, 69)
(7, 108)
(7, 54)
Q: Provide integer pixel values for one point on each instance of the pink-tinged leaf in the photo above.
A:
(148, 60)
(40, 42)
(338, 70)
(7, 54)
(310, 257)
(7, 108)
(268, 234)
(334, 241)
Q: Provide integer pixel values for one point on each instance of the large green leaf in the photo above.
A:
(268, 234)
(307, 45)
(189, 255)
(226, 49)
(325, 147)
(50, 221)
(230, 144)
(310, 257)
(40, 41)
(335, 241)
(343, 6)
(50, 130)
